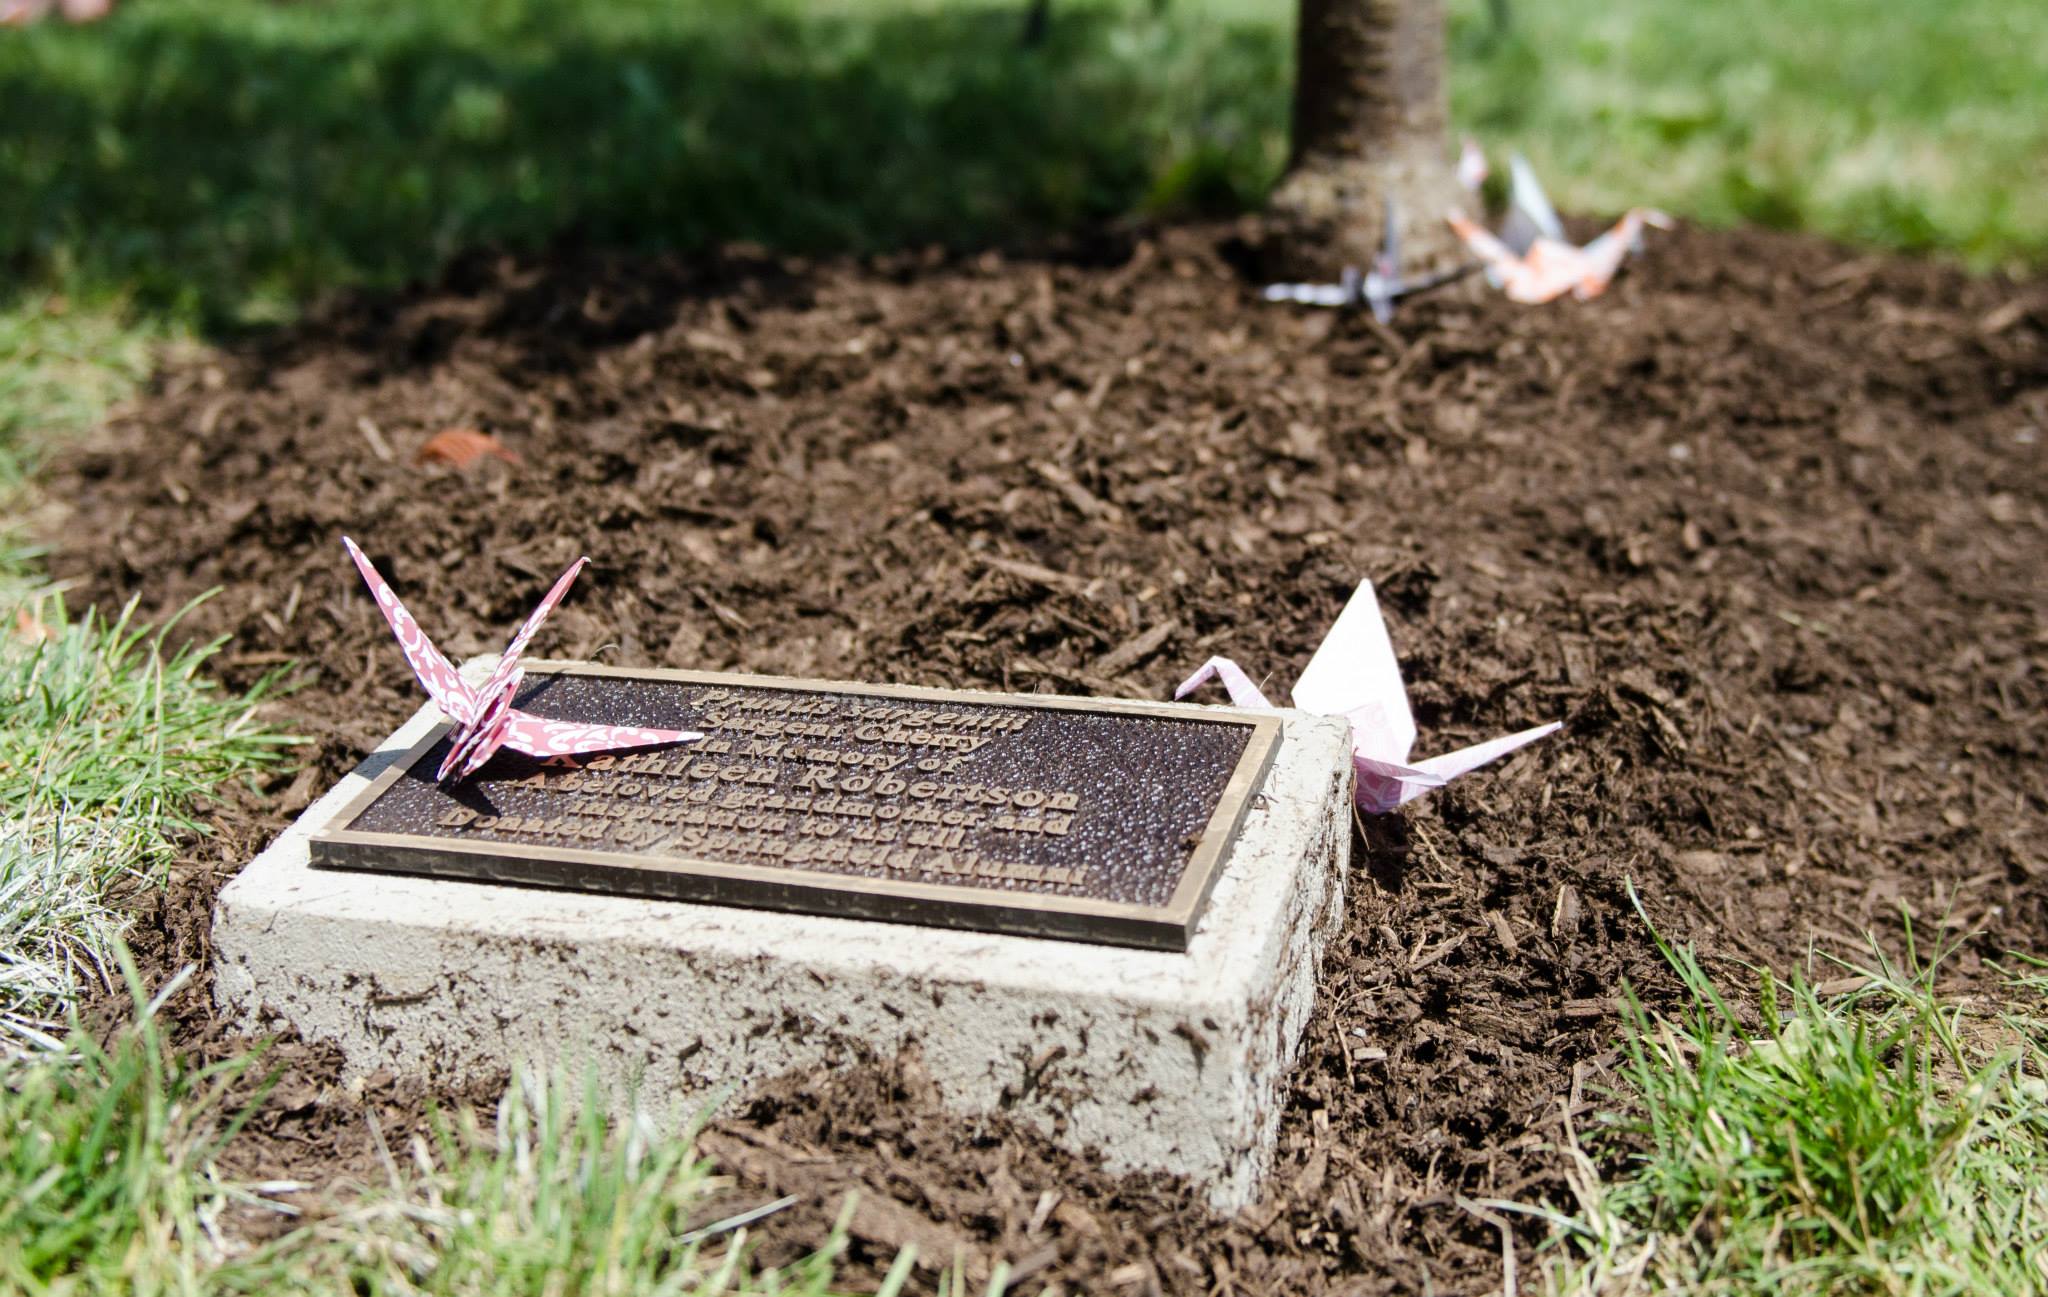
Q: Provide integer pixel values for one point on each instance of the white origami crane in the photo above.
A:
(1533, 260)
(1354, 674)
(485, 719)
(1378, 288)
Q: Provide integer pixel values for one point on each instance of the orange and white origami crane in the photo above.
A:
(1532, 260)
(485, 719)
(1354, 674)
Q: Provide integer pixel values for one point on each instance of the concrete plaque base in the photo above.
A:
(1158, 1060)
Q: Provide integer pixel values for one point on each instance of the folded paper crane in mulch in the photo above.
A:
(485, 719)
(1354, 674)
(1532, 260)
(1378, 288)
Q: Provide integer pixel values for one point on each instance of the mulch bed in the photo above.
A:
(1763, 527)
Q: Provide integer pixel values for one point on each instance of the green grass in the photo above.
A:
(60, 368)
(227, 160)
(108, 1185)
(110, 732)
(1890, 1140)
(105, 1153)
(548, 1196)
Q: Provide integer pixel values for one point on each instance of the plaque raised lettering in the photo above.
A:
(1089, 820)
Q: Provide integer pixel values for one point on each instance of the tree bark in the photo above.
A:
(1371, 121)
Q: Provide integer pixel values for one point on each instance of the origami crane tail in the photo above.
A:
(1236, 683)
(1604, 255)
(538, 736)
(1647, 216)
(1390, 243)
(1449, 766)
(435, 675)
(1383, 785)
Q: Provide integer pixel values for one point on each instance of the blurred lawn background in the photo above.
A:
(211, 165)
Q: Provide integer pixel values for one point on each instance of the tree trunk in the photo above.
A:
(1371, 121)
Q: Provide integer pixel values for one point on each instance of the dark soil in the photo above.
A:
(1763, 527)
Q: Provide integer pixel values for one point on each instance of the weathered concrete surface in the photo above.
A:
(1159, 1060)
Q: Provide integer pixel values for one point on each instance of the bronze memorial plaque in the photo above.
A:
(1089, 820)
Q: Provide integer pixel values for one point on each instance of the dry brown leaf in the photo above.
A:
(32, 628)
(463, 447)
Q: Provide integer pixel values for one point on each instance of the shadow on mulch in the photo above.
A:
(1763, 526)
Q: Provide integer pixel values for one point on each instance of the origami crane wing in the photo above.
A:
(436, 676)
(1347, 291)
(1389, 263)
(1308, 294)
(1383, 285)
(1354, 673)
(508, 665)
(1530, 216)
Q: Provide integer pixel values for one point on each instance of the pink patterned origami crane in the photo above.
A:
(485, 719)
(1532, 260)
(1354, 674)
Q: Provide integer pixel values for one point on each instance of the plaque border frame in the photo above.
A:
(781, 888)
